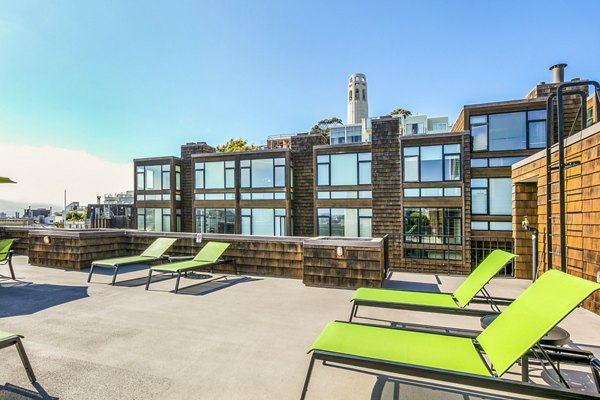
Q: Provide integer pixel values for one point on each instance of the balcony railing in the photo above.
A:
(448, 253)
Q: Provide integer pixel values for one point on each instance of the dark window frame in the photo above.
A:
(358, 164)
(359, 218)
(488, 197)
(203, 216)
(203, 169)
(273, 172)
(487, 131)
(444, 154)
(446, 238)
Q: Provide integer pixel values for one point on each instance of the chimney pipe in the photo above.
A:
(558, 73)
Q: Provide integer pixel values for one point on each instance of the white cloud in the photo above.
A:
(43, 173)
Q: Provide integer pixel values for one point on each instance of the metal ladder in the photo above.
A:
(561, 165)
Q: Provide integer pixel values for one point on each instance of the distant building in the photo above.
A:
(116, 211)
(421, 124)
(358, 105)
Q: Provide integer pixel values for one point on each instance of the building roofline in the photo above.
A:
(158, 158)
(233, 153)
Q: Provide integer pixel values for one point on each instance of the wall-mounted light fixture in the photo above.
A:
(47, 240)
(339, 251)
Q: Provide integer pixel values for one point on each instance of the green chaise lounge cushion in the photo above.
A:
(461, 297)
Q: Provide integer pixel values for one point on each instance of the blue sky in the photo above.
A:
(124, 79)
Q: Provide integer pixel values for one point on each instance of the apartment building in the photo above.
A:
(444, 198)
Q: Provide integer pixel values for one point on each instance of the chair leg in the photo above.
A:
(91, 272)
(177, 282)
(114, 278)
(25, 360)
(149, 278)
(353, 311)
(12, 271)
(307, 380)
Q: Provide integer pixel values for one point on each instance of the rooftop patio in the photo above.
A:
(240, 337)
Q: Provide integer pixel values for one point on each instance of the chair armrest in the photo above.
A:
(179, 258)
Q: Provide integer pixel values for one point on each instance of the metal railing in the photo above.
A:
(448, 253)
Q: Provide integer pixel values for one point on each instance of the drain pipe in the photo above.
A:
(534, 247)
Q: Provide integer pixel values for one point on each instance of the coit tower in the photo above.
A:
(358, 106)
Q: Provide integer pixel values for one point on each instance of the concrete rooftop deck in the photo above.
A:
(241, 338)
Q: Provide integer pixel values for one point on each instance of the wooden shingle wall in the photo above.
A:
(386, 180)
(187, 182)
(303, 204)
(357, 266)
(315, 261)
(582, 185)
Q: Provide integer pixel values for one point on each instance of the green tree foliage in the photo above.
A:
(76, 215)
(324, 126)
(236, 145)
(401, 111)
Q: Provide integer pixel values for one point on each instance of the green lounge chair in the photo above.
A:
(154, 252)
(6, 255)
(208, 257)
(450, 303)
(460, 359)
(10, 339)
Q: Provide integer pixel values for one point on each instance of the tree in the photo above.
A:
(324, 126)
(236, 145)
(401, 111)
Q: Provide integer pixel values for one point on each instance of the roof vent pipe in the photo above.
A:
(558, 73)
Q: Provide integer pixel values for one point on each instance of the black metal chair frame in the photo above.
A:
(485, 298)
(552, 354)
(9, 262)
(16, 341)
(184, 271)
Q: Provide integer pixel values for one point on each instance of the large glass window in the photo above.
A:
(348, 169)
(263, 173)
(153, 177)
(509, 131)
(491, 196)
(154, 219)
(214, 175)
(177, 177)
(432, 163)
(348, 222)
(433, 225)
(263, 221)
(215, 220)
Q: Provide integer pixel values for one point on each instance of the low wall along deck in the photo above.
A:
(318, 262)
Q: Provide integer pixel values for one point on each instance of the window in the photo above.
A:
(154, 219)
(491, 196)
(349, 169)
(433, 192)
(263, 173)
(178, 177)
(214, 175)
(153, 177)
(432, 163)
(263, 221)
(509, 131)
(414, 129)
(495, 161)
(348, 222)
(440, 126)
(215, 220)
(433, 225)
(345, 134)
(491, 226)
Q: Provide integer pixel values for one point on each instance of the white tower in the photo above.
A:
(358, 106)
